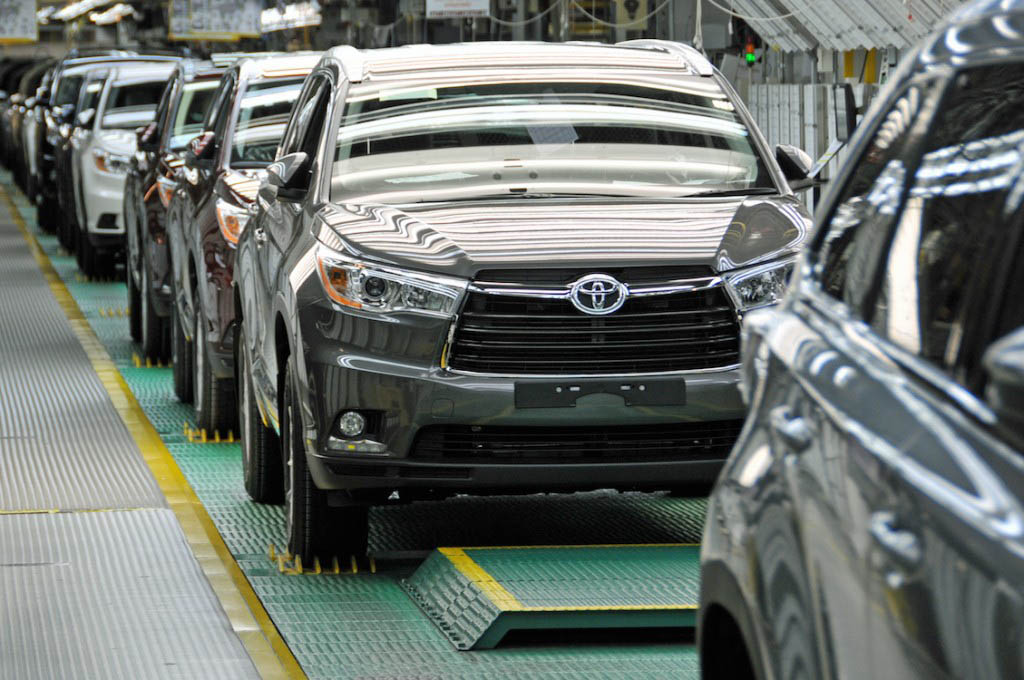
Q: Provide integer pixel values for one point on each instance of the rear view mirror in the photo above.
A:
(1004, 364)
(796, 166)
(845, 111)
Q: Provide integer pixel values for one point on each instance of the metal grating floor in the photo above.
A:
(62, 444)
(109, 594)
(365, 625)
(96, 577)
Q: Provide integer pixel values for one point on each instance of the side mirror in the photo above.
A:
(84, 118)
(41, 93)
(64, 114)
(289, 174)
(147, 139)
(796, 166)
(200, 151)
(1004, 364)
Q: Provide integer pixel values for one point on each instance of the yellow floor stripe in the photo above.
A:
(508, 602)
(249, 619)
(494, 591)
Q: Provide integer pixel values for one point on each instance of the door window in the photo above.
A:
(296, 138)
(859, 227)
(936, 288)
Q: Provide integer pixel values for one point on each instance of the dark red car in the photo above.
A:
(223, 169)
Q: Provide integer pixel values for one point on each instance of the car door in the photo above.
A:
(945, 566)
(275, 231)
(189, 192)
(812, 544)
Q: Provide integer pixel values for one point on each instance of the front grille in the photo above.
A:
(473, 444)
(513, 335)
(632, 276)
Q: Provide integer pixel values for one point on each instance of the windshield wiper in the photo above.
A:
(754, 191)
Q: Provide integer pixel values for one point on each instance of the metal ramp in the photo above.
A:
(477, 595)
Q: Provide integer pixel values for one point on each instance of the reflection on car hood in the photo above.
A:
(461, 238)
(244, 184)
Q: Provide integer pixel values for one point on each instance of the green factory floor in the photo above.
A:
(366, 625)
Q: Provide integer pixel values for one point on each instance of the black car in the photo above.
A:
(10, 78)
(150, 183)
(22, 104)
(481, 279)
(210, 209)
(870, 520)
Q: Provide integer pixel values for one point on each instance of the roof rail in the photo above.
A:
(353, 63)
(689, 54)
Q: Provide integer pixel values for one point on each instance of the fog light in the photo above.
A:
(351, 424)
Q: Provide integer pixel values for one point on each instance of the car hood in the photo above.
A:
(461, 238)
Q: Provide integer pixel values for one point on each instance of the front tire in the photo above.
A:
(314, 529)
(134, 307)
(214, 398)
(181, 358)
(154, 329)
(261, 448)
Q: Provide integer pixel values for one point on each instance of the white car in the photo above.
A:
(124, 100)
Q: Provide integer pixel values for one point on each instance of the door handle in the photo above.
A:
(794, 431)
(260, 235)
(901, 545)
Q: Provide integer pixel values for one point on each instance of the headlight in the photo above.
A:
(759, 286)
(232, 220)
(384, 289)
(110, 162)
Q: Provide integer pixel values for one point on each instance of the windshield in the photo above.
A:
(188, 118)
(262, 116)
(638, 133)
(131, 105)
(67, 90)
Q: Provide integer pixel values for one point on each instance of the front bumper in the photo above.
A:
(103, 198)
(411, 398)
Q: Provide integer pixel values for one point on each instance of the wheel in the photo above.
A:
(314, 529)
(153, 328)
(134, 307)
(45, 215)
(214, 398)
(181, 358)
(261, 448)
(85, 254)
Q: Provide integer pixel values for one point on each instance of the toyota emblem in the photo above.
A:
(598, 294)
